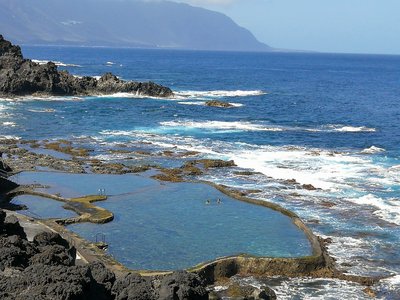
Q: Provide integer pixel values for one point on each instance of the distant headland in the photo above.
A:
(22, 77)
(140, 24)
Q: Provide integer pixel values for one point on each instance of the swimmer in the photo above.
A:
(219, 201)
(208, 202)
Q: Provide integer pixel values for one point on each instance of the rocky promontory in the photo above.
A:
(22, 77)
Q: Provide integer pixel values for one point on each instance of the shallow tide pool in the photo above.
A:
(168, 226)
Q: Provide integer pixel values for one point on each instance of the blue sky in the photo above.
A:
(349, 26)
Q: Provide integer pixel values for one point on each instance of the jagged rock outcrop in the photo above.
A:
(248, 292)
(182, 285)
(20, 76)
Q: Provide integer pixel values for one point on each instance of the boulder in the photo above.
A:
(182, 285)
(55, 255)
(133, 287)
(248, 292)
(218, 103)
(104, 281)
(48, 239)
(12, 227)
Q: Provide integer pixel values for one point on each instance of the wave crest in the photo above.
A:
(220, 125)
(218, 94)
(57, 63)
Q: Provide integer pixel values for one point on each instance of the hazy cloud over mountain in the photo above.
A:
(160, 24)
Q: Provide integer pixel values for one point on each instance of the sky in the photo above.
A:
(341, 26)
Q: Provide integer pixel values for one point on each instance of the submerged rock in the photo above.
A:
(218, 103)
(20, 76)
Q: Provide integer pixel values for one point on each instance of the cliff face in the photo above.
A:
(19, 77)
(127, 23)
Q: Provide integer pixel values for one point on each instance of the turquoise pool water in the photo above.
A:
(168, 226)
(42, 208)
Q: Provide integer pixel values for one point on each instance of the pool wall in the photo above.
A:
(319, 264)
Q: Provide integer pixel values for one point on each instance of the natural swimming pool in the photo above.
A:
(168, 226)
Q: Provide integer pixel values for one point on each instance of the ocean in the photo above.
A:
(327, 120)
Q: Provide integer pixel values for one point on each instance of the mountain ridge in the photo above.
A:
(123, 23)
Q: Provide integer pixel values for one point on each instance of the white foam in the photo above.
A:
(110, 63)
(220, 125)
(386, 209)
(135, 95)
(57, 63)
(331, 172)
(394, 280)
(9, 124)
(343, 128)
(372, 150)
(307, 288)
(202, 103)
(325, 170)
(48, 110)
(250, 126)
(192, 103)
(218, 94)
(338, 128)
(47, 98)
(236, 104)
(9, 137)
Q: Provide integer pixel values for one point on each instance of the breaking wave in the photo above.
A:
(217, 94)
(386, 209)
(202, 103)
(57, 63)
(220, 125)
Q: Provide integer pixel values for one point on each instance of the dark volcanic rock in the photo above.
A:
(218, 103)
(55, 255)
(248, 292)
(12, 227)
(2, 218)
(104, 280)
(48, 239)
(48, 282)
(6, 185)
(19, 76)
(133, 287)
(15, 252)
(182, 285)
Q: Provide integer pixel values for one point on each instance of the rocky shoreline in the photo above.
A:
(23, 77)
(46, 268)
(320, 264)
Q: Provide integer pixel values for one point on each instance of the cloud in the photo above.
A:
(210, 2)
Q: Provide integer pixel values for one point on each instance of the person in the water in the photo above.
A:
(219, 201)
(208, 202)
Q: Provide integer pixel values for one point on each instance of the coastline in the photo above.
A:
(318, 265)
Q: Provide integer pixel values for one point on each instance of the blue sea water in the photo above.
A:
(329, 120)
